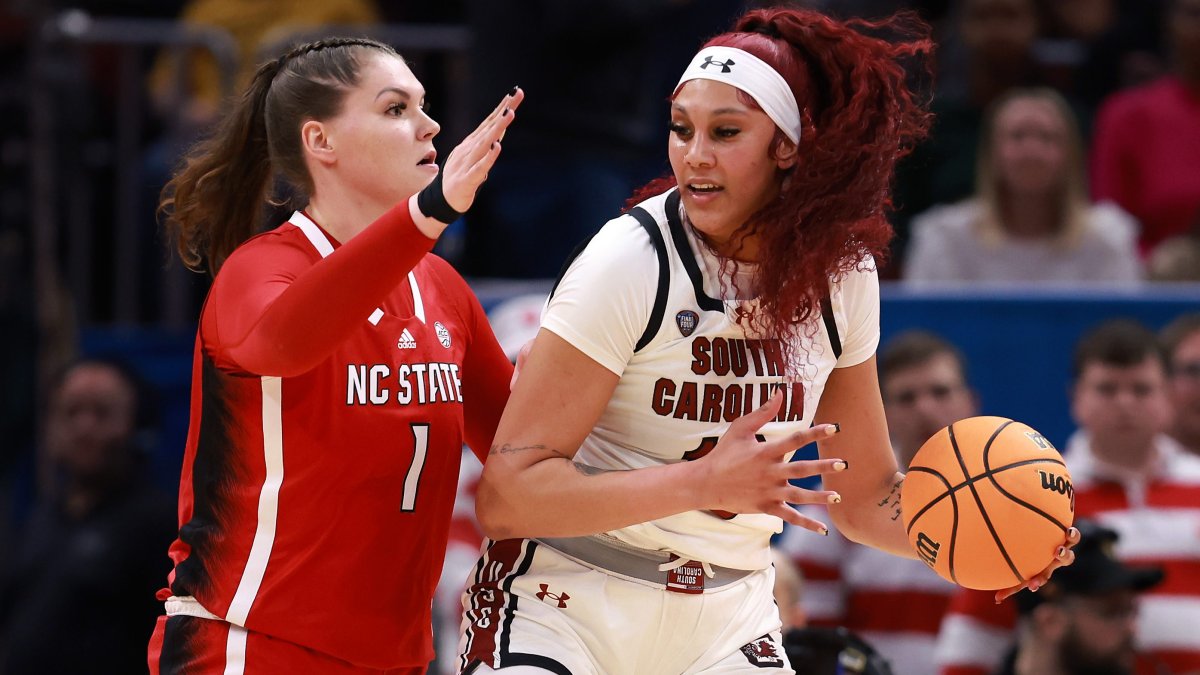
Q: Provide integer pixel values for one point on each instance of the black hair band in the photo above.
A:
(432, 202)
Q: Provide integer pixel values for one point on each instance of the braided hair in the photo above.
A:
(218, 198)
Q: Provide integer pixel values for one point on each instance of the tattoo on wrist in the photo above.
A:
(892, 500)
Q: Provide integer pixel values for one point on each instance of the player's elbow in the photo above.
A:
(851, 521)
(496, 519)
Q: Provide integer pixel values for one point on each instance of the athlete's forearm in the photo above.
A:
(555, 496)
(307, 320)
(876, 522)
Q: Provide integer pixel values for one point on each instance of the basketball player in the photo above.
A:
(686, 353)
(338, 369)
(923, 382)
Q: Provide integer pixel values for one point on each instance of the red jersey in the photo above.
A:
(333, 388)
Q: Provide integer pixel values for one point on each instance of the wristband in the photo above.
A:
(433, 204)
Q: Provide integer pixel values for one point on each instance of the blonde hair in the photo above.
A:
(1073, 203)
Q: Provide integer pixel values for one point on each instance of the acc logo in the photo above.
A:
(687, 321)
(442, 334)
(763, 653)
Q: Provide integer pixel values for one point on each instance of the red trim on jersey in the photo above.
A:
(486, 600)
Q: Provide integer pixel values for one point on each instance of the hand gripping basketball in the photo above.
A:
(988, 504)
(468, 164)
(745, 474)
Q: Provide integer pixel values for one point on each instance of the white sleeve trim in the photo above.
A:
(859, 314)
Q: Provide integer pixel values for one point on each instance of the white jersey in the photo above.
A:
(687, 369)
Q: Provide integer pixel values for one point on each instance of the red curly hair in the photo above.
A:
(858, 117)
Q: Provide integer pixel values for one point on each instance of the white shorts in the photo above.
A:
(528, 604)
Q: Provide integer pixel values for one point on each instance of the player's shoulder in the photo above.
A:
(860, 276)
(623, 243)
(282, 247)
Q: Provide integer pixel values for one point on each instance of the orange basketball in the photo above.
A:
(986, 502)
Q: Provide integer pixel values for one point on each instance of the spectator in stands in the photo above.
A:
(1090, 48)
(923, 380)
(1082, 621)
(1128, 475)
(789, 591)
(1176, 259)
(987, 51)
(1030, 219)
(1146, 150)
(1181, 342)
(924, 387)
(79, 594)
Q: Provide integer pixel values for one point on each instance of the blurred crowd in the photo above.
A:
(1065, 150)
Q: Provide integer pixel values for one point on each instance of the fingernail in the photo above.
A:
(840, 465)
(834, 498)
(1033, 588)
(1062, 550)
(513, 91)
(824, 531)
(837, 429)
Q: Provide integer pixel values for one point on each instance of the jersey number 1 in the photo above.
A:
(420, 434)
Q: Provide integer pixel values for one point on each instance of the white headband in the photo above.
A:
(752, 75)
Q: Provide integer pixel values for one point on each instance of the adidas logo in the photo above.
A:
(406, 341)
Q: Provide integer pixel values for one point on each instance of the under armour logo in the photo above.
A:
(545, 593)
(710, 61)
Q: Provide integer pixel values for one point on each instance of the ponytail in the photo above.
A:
(217, 199)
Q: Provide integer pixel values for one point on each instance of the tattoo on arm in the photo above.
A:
(506, 449)
(892, 500)
(589, 470)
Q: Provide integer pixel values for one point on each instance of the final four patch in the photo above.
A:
(687, 320)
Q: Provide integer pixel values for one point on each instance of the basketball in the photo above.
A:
(986, 502)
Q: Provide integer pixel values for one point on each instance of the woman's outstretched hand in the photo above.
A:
(744, 474)
(1062, 557)
(468, 164)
